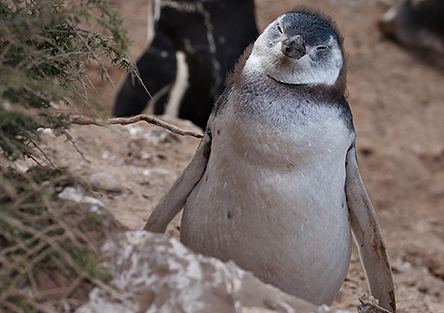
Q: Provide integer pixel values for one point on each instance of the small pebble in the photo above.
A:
(160, 172)
(105, 155)
(104, 181)
(72, 194)
(76, 195)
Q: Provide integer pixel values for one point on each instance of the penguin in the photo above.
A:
(416, 25)
(195, 44)
(274, 184)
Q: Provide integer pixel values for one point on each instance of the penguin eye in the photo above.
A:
(280, 29)
(321, 48)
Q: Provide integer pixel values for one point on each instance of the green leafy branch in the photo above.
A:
(44, 46)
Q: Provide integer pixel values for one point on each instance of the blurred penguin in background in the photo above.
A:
(195, 44)
(417, 25)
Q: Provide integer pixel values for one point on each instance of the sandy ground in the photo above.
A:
(397, 100)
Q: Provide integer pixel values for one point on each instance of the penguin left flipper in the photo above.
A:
(174, 199)
(368, 236)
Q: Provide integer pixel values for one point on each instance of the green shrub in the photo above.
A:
(49, 256)
(44, 47)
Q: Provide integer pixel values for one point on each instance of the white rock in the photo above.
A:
(160, 172)
(104, 181)
(76, 195)
(155, 273)
(72, 194)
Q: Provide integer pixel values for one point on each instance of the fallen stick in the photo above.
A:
(83, 120)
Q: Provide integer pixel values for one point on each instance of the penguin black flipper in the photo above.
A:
(368, 236)
(174, 199)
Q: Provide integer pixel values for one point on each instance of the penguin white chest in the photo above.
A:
(273, 201)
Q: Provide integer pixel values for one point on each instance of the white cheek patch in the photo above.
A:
(329, 70)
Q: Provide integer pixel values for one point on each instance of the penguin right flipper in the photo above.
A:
(175, 198)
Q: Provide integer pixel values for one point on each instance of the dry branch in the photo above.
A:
(370, 305)
(82, 120)
(69, 138)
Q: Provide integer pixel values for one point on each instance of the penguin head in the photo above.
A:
(299, 47)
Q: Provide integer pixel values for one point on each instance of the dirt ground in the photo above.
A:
(397, 99)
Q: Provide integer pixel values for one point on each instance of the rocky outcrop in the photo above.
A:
(155, 273)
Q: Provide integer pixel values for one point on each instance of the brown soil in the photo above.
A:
(398, 105)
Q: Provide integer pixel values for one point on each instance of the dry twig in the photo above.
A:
(141, 82)
(82, 120)
(69, 138)
(42, 152)
(370, 305)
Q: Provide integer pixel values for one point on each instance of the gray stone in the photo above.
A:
(155, 274)
(76, 195)
(104, 181)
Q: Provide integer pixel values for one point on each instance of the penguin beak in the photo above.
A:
(294, 47)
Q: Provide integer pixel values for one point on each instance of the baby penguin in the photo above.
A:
(274, 184)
